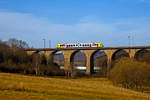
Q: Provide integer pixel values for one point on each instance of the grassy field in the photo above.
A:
(20, 87)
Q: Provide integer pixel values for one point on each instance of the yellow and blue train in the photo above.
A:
(79, 45)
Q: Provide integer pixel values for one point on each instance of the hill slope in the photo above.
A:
(20, 87)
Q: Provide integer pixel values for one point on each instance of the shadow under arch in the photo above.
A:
(142, 55)
(98, 61)
(56, 58)
(38, 57)
(78, 61)
(36, 52)
(117, 55)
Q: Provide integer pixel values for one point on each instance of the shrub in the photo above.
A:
(49, 70)
(77, 73)
(54, 70)
(14, 68)
(130, 73)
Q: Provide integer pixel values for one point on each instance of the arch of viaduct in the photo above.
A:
(68, 52)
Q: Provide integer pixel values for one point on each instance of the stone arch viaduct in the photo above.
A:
(67, 52)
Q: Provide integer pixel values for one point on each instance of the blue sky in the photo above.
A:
(69, 21)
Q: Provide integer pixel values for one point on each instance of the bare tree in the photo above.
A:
(12, 42)
(36, 62)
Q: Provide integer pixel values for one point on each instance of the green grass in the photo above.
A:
(20, 87)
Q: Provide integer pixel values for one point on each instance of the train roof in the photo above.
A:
(80, 43)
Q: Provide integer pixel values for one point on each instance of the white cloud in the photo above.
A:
(33, 29)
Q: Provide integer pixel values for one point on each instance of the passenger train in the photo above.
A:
(79, 45)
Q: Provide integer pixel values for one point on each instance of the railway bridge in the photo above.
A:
(89, 52)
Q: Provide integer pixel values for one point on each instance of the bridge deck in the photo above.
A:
(92, 48)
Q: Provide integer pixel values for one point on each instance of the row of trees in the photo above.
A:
(14, 59)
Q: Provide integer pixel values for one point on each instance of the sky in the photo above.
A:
(111, 22)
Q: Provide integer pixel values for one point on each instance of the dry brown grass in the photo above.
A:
(20, 87)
